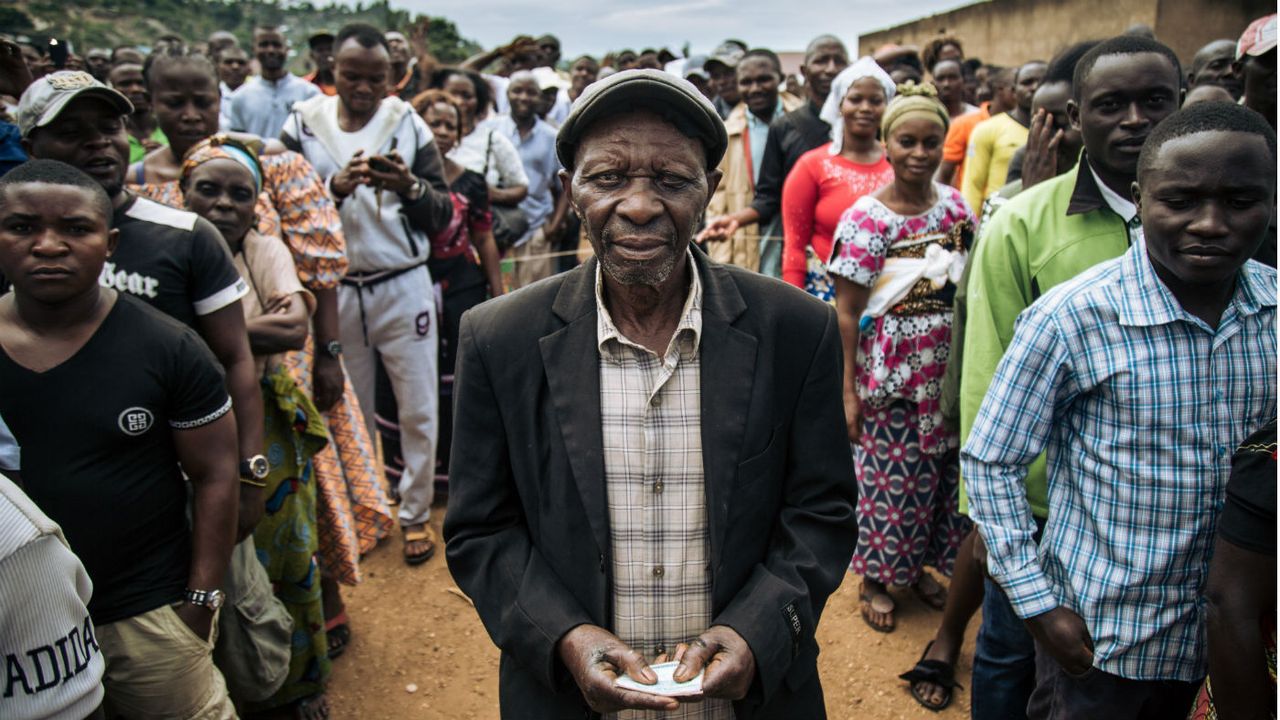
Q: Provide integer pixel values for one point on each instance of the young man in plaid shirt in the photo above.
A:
(1138, 377)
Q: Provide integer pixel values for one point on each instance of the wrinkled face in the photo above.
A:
(89, 134)
(758, 83)
(1206, 200)
(233, 67)
(949, 81)
(863, 107)
(361, 75)
(398, 46)
(822, 66)
(1053, 99)
(128, 80)
(187, 101)
(915, 149)
(583, 73)
(270, 49)
(523, 96)
(443, 120)
(53, 240)
(640, 188)
(322, 55)
(1026, 82)
(222, 191)
(1120, 101)
(461, 88)
(724, 81)
(1217, 67)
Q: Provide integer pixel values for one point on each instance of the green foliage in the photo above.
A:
(110, 23)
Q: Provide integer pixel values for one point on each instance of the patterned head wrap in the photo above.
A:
(222, 147)
(865, 67)
(914, 102)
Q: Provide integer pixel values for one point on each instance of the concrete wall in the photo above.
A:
(1008, 32)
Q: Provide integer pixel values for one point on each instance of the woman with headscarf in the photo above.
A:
(295, 207)
(220, 181)
(829, 179)
(896, 257)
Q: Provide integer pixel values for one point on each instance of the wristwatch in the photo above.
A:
(255, 469)
(333, 349)
(210, 599)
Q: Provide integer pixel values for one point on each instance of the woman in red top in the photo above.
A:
(827, 180)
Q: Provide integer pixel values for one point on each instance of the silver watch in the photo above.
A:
(211, 599)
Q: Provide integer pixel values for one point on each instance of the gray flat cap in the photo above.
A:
(653, 90)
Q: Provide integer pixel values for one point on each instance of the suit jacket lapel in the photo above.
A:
(571, 360)
(728, 374)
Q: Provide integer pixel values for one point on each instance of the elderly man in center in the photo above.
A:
(649, 457)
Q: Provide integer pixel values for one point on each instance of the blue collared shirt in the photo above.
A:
(758, 134)
(538, 155)
(1139, 405)
(261, 106)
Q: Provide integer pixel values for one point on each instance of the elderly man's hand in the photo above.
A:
(730, 664)
(596, 658)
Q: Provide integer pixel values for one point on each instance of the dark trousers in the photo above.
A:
(1004, 672)
(1097, 694)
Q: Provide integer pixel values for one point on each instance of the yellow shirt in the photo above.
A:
(991, 147)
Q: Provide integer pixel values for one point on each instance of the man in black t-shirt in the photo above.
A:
(107, 397)
(172, 259)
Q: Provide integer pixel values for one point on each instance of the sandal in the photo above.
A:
(936, 597)
(315, 707)
(937, 672)
(338, 631)
(425, 536)
(880, 602)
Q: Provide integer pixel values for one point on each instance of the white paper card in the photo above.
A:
(666, 686)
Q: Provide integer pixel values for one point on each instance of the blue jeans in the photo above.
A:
(1004, 660)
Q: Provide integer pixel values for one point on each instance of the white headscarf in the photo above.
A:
(865, 67)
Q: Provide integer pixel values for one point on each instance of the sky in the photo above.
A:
(597, 26)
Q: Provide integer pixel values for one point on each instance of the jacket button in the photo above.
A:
(658, 571)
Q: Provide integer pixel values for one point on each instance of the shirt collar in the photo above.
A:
(688, 332)
(1091, 194)
(1151, 302)
(753, 121)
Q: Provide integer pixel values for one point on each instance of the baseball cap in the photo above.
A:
(727, 54)
(45, 98)
(1258, 38)
(320, 37)
(640, 90)
(549, 78)
(696, 65)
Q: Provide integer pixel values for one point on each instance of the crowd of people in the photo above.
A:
(682, 341)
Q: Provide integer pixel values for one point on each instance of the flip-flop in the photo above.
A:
(338, 631)
(936, 599)
(880, 602)
(937, 672)
(417, 536)
(310, 708)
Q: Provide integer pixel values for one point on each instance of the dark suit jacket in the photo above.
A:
(527, 532)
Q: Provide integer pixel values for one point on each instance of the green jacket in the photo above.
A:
(1046, 235)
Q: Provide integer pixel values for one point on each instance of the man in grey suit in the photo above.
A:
(650, 458)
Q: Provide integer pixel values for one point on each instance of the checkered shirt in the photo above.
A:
(651, 421)
(1139, 404)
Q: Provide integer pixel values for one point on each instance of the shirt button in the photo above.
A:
(659, 650)
(1222, 450)
(656, 401)
(657, 487)
(1218, 394)
(658, 571)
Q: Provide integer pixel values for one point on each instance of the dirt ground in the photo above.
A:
(419, 651)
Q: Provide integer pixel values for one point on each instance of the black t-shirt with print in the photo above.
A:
(174, 260)
(98, 455)
(1249, 515)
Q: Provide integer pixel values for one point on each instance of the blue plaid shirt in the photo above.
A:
(1139, 405)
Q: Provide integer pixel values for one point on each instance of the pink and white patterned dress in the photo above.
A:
(902, 354)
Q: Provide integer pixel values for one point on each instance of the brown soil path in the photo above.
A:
(408, 630)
